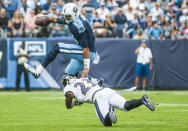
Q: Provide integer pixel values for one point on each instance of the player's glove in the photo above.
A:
(76, 103)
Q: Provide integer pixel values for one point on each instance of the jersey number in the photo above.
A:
(84, 90)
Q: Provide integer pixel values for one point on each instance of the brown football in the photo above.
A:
(42, 21)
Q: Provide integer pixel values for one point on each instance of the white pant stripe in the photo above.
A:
(71, 51)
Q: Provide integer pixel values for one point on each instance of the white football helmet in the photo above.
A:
(70, 12)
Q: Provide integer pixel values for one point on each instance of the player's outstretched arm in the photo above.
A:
(69, 96)
(86, 62)
(53, 19)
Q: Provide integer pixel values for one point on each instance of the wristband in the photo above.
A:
(86, 63)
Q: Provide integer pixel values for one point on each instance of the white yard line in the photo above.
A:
(32, 93)
(119, 91)
(47, 98)
(169, 104)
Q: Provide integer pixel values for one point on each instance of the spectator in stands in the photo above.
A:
(156, 32)
(130, 14)
(53, 10)
(141, 9)
(46, 5)
(23, 57)
(162, 20)
(4, 23)
(178, 3)
(170, 12)
(12, 6)
(185, 4)
(110, 4)
(175, 31)
(148, 18)
(60, 4)
(149, 5)
(148, 30)
(1, 33)
(30, 25)
(103, 11)
(126, 6)
(89, 9)
(59, 29)
(121, 22)
(31, 4)
(167, 29)
(134, 4)
(163, 3)
(181, 34)
(110, 25)
(115, 10)
(156, 11)
(184, 17)
(133, 27)
(121, 3)
(98, 26)
(144, 64)
(139, 35)
(23, 8)
(17, 24)
(38, 9)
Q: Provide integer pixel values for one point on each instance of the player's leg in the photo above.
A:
(102, 108)
(145, 75)
(26, 77)
(18, 75)
(48, 59)
(74, 67)
(102, 111)
(75, 52)
(138, 74)
(119, 102)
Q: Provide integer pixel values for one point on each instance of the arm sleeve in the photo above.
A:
(60, 20)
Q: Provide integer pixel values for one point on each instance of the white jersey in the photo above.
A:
(82, 89)
(144, 55)
(22, 59)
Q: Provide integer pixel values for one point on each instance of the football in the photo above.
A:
(42, 21)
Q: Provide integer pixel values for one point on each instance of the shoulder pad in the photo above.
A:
(79, 25)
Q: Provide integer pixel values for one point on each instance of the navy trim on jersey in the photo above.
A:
(98, 112)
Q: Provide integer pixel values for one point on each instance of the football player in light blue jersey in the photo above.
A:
(81, 54)
(104, 99)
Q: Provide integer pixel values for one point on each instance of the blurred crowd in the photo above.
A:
(133, 19)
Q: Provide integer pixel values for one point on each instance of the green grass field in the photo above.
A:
(46, 111)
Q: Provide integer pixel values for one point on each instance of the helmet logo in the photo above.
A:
(75, 9)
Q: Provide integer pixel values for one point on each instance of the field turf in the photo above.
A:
(45, 111)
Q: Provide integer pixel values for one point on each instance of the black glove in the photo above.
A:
(76, 103)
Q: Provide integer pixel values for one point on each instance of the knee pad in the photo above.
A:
(127, 106)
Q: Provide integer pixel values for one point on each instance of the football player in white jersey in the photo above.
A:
(104, 99)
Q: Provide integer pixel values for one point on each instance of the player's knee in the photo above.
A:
(107, 121)
(127, 106)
